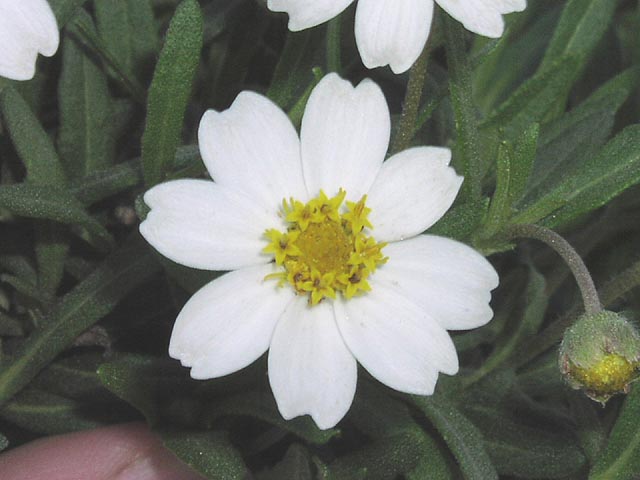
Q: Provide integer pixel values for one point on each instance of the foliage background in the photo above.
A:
(543, 124)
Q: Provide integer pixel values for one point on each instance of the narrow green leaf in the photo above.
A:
(261, 405)
(47, 413)
(524, 156)
(146, 383)
(51, 203)
(85, 138)
(83, 306)
(500, 207)
(461, 220)
(30, 140)
(467, 142)
(209, 453)
(294, 70)
(535, 100)
(621, 457)
(74, 377)
(128, 30)
(43, 168)
(613, 170)
(526, 452)
(578, 135)
(463, 438)
(581, 26)
(64, 10)
(170, 90)
(9, 326)
(518, 51)
(385, 458)
(295, 464)
(51, 248)
(85, 33)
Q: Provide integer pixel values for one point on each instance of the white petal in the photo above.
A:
(308, 13)
(253, 148)
(311, 371)
(395, 340)
(26, 28)
(203, 225)
(412, 191)
(508, 6)
(228, 324)
(449, 280)
(392, 32)
(344, 135)
(482, 16)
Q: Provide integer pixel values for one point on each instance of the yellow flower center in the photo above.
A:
(325, 249)
(610, 375)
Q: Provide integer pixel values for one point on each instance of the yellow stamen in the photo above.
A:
(323, 250)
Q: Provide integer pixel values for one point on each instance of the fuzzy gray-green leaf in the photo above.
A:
(170, 90)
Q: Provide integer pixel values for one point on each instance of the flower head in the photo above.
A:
(394, 32)
(600, 354)
(27, 27)
(323, 239)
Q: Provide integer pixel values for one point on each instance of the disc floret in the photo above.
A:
(326, 248)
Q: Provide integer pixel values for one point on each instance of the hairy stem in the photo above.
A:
(590, 297)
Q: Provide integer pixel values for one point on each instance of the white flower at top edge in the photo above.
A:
(394, 32)
(27, 27)
(323, 240)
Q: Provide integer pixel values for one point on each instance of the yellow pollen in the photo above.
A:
(325, 249)
(610, 375)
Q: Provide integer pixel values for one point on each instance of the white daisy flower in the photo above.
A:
(394, 32)
(323, 240)
(27, 27)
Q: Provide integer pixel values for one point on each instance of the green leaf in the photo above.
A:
(128, 30)
(85, 138)
(47, 413)
(51, 248)
(294, 70)
(261, 405)
(581, 26)
(4, 442)
(51, 203)
(577, 135)
(87, 303)
(463, 438)
(9, 326)
(209, 453)
(74, 377)
(517, 53)
(467, 142)
(524, 156)
(598, 180)
(385, 458)
(461, 220)
(146, 383)
(621, 457)
(64, 10)
(526, 452)
(535, 100)
(295, 464)
(170, 90)
(85, 33)
(32, 143)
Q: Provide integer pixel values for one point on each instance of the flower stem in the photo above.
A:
(590, 297)
(333, 45)
(610, 293)
(411, 106)
(460, 89)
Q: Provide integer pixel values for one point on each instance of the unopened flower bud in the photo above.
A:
(600, 354)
